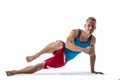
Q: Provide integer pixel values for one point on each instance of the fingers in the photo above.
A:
(29, 59)
(101, 73)
(97, 73)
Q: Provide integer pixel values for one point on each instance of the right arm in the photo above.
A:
(70, 39)
(69, 43)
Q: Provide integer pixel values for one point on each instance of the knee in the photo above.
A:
(59, 44)
(39, 66)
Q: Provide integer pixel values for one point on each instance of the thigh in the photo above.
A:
(55, 45)
(58, 60)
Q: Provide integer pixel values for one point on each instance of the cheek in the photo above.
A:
(95, 28)
(86, 27)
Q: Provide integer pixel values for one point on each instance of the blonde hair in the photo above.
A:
(91, 18)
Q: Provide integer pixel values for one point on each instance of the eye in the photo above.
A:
(88, 25)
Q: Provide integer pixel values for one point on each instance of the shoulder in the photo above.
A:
(93, 40)
(74, 32)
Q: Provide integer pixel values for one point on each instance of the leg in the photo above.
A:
(27, 70)
(50, 48)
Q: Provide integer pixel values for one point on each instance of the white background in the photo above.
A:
(26, 26)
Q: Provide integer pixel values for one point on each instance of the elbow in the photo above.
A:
(67, 45)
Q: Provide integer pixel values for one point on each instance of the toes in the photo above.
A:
(9, 73)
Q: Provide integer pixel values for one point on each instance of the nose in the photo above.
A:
(90, 27)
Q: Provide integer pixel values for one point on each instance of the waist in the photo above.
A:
(69, 54)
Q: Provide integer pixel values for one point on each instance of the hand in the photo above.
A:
(88, 50)
(94, 72)
(29, 58)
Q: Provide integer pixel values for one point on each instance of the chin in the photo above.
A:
(90, 32)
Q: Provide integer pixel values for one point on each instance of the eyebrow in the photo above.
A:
(92, 22)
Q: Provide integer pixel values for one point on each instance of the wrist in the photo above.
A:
(92, 71)
(35, 56)
(82, 49)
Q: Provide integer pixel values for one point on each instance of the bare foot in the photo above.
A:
(10, 73)
(29, 58)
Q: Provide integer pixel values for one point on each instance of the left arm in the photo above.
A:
(93, 56)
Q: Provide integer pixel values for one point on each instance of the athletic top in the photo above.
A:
(69, 54)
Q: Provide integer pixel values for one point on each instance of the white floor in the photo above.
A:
(61, 74)
(77, 69)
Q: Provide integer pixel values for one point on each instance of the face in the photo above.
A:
(90, 26)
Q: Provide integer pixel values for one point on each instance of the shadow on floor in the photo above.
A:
(64, 73)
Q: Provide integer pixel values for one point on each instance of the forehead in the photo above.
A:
(91, 22)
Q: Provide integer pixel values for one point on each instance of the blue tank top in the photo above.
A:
(69, 54)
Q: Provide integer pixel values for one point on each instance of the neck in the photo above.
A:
(85, 34)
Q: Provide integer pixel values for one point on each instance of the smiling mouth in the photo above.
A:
(90, 31)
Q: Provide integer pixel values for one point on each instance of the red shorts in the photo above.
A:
(58, 60)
